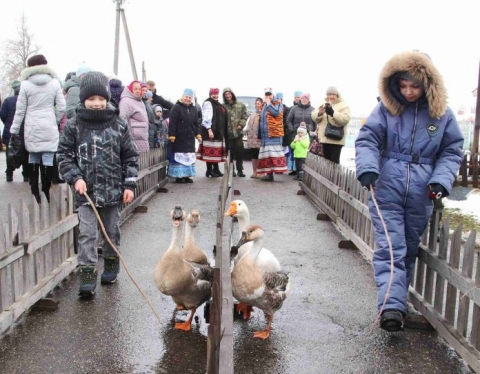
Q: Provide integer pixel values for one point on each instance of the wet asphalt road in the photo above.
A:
(325, 325)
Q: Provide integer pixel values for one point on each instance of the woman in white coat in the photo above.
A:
(40, 107)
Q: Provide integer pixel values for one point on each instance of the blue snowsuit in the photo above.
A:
(409, 152)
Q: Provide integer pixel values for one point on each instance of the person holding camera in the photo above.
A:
(408, 151)
(336, 112)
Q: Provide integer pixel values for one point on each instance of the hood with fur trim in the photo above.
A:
(40, 70)
(421, 68)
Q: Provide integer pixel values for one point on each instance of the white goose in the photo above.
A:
(253, 286)
(266, 260)
(186, 282)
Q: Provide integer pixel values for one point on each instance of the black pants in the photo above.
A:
(11, 168)
(332, 152)
(235, 146)
(299, 162)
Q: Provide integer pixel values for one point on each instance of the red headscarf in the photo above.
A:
(130, 86)
(214, 91)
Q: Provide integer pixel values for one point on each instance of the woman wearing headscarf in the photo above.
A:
(253, 141)
(182, 131)
(213, 130)
(298, 114)
(40, 108)
(409, 151)
(337, 112)
(133, 110)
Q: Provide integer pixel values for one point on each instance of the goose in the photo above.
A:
(191, 252)
(186, 282)
(265, 261)
(255, 287)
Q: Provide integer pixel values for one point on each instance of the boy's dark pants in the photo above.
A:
(87, 251)
(299, 162)
(235, 146)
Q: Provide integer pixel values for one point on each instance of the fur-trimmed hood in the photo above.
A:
(421, 68)
(40, 70)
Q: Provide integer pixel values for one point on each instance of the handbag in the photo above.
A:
(334, 132)
(316, 147)
(17, 153)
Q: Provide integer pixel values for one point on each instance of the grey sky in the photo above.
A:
(248, 45)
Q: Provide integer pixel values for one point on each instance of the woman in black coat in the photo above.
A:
(182, 131)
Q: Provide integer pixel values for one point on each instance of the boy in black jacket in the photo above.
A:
(97, 155)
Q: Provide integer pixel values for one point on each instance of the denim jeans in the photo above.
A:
(87, 251)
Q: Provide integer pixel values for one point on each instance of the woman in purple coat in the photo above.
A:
(408, 151)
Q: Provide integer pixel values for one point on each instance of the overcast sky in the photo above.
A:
(252, 44)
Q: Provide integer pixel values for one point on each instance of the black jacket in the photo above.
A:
(97, 146)
(184, 126)
(7, 113)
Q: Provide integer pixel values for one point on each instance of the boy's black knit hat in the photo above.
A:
(94, 83)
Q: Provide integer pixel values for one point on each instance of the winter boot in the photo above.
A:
(240, 173)
(216, 170)
(33, 180)
(267, 178)
(46, 177)
(88, 280)
(209, 172)
(9, 178)
(391, 320)
(110, 270)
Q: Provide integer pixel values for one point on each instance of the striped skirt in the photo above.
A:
(271, 159)
(212, 151)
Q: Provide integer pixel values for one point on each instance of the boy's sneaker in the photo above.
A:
(88, 280)
(111, 269)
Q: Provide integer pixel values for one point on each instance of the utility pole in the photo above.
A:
(121, 12)
(476, 129)
(144, 73)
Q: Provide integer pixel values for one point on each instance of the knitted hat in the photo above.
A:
(15, 85)
(302, 128)
(407, 76)
(268, 90)
(148, 94)
(143, 84)
(37, 60)
(297, 93)
(188, 92)
(214, 91)
(279, 95)
(94, 83)
(158, 108)
(69, 75)
(83, 69)
(305, 94)
(332, 90)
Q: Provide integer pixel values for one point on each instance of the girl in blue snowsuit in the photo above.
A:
(409, 151)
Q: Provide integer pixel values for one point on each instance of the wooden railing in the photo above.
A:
(468, 175)
(220, 329)
(446, 285)
(37, 243)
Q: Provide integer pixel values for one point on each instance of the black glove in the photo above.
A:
(368, 179)
(436, 191)
(329, 110)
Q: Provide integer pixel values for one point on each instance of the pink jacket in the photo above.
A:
(132, 109)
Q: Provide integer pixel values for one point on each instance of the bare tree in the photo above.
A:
(15, 53)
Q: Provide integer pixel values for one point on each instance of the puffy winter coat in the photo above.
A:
(96, 146)
(72, 92)
(7, 113)
(133, 110)
(183, 127)
(41, 105)
(341, 117)
(298, 114)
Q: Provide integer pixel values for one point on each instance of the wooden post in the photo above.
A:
(129, 45)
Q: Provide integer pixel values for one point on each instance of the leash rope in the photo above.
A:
(120, 256)
(390, 247)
